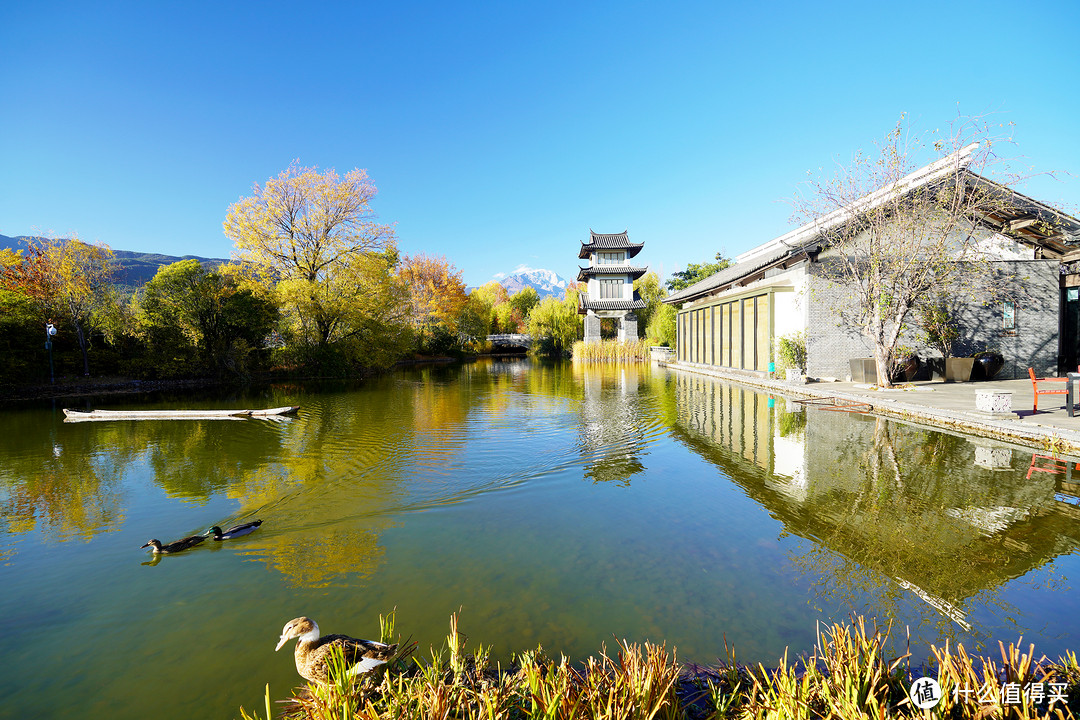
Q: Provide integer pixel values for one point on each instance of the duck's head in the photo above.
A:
(214, 531)
(155, 543)
(301, 627)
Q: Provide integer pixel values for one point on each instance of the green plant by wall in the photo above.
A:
(790, 352)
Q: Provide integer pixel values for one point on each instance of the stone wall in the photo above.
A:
(1034, 342)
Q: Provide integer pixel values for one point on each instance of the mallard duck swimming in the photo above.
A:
(313, 652)
(175, 547)
(234, 531)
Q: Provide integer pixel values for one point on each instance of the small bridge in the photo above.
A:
(510, 340)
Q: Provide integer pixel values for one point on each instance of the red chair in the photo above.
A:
(1051, 390)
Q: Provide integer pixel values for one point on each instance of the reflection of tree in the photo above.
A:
(894, 513)
(323, 559)
(56, 482)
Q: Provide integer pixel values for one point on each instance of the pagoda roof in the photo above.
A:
(585, 304)
(609, 241)
(584, 273)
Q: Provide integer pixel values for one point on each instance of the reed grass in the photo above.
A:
(611, 351)
(847, 676)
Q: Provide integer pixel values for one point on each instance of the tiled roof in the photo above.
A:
(584, 303)
(609, 241)
(737, 272)
(634, 272)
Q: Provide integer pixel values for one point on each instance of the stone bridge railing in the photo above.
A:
(515, 339)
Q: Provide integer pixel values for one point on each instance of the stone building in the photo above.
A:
(732, 319)
(609, 279)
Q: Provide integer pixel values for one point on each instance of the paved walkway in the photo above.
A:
(942, 404)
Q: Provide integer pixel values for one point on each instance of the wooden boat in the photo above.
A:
(81, 415)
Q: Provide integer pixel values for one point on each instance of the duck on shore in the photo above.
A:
(234, 531)
(175, 547)
(312, 652)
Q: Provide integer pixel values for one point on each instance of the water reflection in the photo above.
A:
(897, 515)
(611, 434)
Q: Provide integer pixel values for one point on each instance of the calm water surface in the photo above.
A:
(552, 505)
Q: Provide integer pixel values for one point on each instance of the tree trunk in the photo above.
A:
(83, 346)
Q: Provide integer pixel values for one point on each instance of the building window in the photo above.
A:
(611, 289)
(610, 258)
(1008, 310)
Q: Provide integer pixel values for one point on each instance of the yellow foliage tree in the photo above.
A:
(312, 236)
(65, 278)
(437, 293)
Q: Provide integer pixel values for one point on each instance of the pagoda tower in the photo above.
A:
(610, 278)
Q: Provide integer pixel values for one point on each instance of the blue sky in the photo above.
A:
(499, 133)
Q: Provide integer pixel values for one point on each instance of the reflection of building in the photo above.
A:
(612, 435)
(610, 284)
(906, 504)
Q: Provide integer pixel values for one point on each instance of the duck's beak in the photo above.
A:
(146, 545)
(281, 642)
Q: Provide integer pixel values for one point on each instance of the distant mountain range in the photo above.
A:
(544, 282)
(133, 268)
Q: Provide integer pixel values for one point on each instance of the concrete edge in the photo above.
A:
(1028, 434)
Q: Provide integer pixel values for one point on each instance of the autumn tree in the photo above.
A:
(895, 237)
(437, 300)
(485, 299)
(313, 237)
(66, 279)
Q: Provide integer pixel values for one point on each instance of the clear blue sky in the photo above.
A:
(499, 133)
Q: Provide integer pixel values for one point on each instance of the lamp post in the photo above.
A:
(50, 330)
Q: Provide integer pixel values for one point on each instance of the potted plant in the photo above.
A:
(940, 330)
(791, 356)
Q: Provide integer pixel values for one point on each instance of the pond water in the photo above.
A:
(547, 504)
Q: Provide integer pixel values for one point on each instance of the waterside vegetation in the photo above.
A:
(316, 288)
(846, 676)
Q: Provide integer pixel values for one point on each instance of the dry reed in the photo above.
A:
(847, 676)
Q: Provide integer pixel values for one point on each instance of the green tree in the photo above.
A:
(651, 290)
(661, 327)
(553, 325)
(696, 272)
(524, 301)
(192, 312)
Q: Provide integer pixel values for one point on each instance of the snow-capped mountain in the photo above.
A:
(545, 282)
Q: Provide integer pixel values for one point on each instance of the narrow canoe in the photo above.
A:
(79, 415)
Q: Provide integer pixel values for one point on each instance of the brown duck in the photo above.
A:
(313, 652)
(175, 547)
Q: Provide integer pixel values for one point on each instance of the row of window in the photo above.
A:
(612, 289)
(734, 334)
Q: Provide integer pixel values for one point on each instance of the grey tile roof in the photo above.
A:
(736, 272)
(584, 303)
(609, 241)
(633, 272)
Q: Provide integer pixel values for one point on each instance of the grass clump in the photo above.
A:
(611, 351)
(847, 677)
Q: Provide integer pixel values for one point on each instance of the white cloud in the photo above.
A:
(499, 276)
(523, 268)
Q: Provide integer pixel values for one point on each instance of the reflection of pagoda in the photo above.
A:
(610, 292)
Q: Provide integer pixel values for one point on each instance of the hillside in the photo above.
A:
(134, 268)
